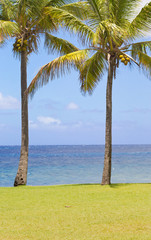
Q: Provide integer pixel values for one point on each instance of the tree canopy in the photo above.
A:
(106, 27)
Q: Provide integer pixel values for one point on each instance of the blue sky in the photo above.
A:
(60, 114)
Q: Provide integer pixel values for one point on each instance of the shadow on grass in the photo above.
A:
(119, 185)
(115, 185)
(79, 184)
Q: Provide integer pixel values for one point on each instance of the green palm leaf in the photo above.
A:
(8, 28)
(123, 10)
(144, 47)
(145, 62)
(71, 23)
(97, 7)
(142, 22)
(108, 32)
(59, 45)
(56, 67)
(57, 3)
(91, 72)
(78, 9)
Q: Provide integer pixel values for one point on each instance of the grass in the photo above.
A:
(76, 212)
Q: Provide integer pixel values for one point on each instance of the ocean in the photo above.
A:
(55, 165)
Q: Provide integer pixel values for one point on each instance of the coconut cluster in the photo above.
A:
(124, 59)
(20, 45)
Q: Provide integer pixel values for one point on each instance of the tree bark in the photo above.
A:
(21, 177)
(106, 178)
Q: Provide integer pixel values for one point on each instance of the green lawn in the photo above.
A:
(76, 212)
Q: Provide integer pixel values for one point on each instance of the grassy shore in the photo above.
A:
(76, 212)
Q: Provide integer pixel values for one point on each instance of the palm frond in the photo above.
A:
(91, 72)
(71, 23)
(98, 11)
(97, 7)
(59, 45)
(8, 28)
(122, 10)
(112, 33)
(142, 22)
(57, 3)
(55, 68)
(144, 47)
(78, 9)
(6, 9)
(145, 63)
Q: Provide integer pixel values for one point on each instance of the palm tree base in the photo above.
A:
(19, 181)
(106, 180)
(105, 183)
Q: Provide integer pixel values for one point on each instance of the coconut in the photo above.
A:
(121, 56)
(123, 59)
(126, 62)
(127, 59)
(25, 42)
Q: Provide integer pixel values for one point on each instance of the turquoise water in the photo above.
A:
(52, 165)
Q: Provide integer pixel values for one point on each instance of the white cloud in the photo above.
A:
(77, 124)
(49, 124)
(72, 106)
(32, 125)
(8, 102)
(48, 120)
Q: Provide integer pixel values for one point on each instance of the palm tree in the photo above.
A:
(32, 21)
(112, 32)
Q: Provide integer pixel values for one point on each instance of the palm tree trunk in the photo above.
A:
(21, 177)
(106, 178)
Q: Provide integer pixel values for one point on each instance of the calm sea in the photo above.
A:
(52, 165)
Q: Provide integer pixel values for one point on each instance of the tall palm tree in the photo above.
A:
(112, 32)
(31, 20)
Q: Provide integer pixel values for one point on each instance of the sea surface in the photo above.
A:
(53, 165)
